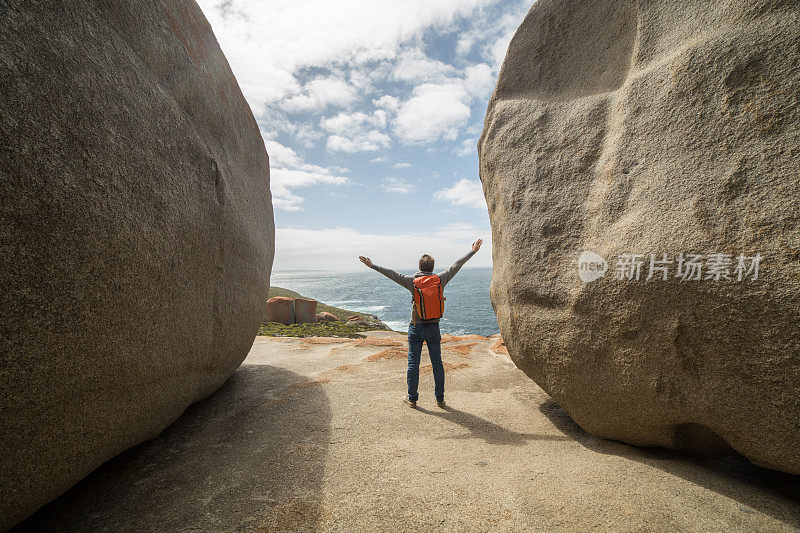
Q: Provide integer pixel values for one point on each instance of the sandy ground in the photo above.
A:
(311, 434)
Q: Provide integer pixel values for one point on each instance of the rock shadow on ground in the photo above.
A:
(726, 476)
(251, 456)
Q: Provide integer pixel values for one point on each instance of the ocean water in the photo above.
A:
(466, 310)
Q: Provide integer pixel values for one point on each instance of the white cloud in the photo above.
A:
(307, 135)
(502, 31)
(479, 80)
(354, 49)
(387, 102)
(497, 51)
(288, 172)
(283, 180)
(339, 248)
(320, 93)
(402, 165)
(345, 122)
(362, 81)
(468, 147)
(434, 111)
(372, 141)
(381, 118)
(490, 34)
(438, 110)
(379, 54)
(300, 103)
(362, 44)
(356, 132)
(416, 67)
(465, 43)
(267, 42)
(280, 155)
(474, 128)
(466, 193)
(333, 91)
(306, 176)
(273, 122)
(398, 185)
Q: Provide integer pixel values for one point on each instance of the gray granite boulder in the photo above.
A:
(136, 232)
(623, 128)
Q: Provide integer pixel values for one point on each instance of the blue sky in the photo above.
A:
(370, 112)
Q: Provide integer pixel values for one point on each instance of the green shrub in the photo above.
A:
(319, 329)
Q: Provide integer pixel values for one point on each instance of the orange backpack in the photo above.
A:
(428, 297)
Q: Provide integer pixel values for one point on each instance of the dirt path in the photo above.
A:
(311, 434)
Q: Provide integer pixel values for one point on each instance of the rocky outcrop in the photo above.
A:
(280, 309)
(367, 320)
(356, 321)
(136, 234)
(326, 317)
(621, 128)
(305, 311)
(292, 310)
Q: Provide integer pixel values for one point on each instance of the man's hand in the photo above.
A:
(367, 261)
(475, 245)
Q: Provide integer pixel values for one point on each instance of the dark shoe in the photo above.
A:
(410, 402)
(440, 403)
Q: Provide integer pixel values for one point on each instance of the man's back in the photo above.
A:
(424, 331)
(408, 281)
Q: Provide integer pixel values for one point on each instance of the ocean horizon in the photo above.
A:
(467, 306)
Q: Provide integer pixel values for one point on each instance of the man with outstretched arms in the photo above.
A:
(428, 297)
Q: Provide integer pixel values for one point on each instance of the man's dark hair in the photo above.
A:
(426, 263)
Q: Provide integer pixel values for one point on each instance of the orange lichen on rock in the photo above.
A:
(325, 340)
(394, 352)
(377, 342)
(462, 349)
(307, 384)
(455, 338)
(499, 347)
(446, 365)
(339, 370)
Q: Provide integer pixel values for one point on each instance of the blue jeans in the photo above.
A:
(417, 334)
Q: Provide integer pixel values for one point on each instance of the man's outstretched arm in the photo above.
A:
(448, 274)
(401, 279)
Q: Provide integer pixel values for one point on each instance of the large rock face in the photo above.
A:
(136, 232)
(621, 127)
